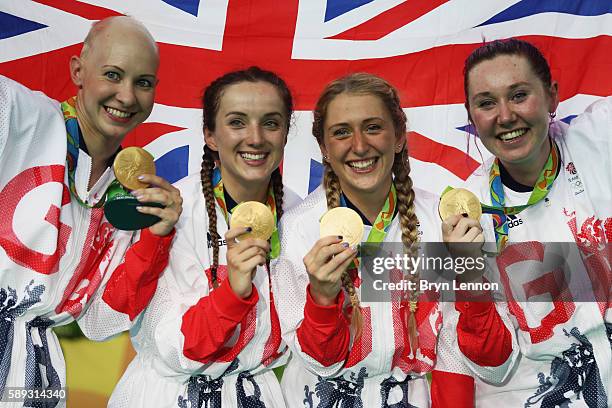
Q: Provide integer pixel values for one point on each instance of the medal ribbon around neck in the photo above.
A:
(73, 135)
(539, 192)
(381, 225)
(270, 202)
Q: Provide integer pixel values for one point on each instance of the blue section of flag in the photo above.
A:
(316, 174)
(336, 8)
(526, 8)
(11, 26)
(468, 129)
(568, 119)
(188, 6)
(173, 165)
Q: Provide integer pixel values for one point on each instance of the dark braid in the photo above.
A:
(211, 101)
(277, 186)
(206, 175)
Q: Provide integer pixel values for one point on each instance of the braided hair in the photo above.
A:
(368, 84)
(211, 101)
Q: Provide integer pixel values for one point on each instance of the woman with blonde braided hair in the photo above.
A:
(211, 336)
(348, 352)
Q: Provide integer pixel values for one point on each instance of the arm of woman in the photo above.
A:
(314, 327)
(127, 287)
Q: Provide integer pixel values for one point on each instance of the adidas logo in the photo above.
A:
(221, 241)
(514, 221)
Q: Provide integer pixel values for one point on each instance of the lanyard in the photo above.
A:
(73, 135)
(270, 202)
(540, 191)
(381, 225)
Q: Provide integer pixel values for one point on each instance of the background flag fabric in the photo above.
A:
(418, 45)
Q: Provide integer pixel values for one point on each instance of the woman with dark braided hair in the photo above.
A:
(348, 352)
(547, 182)
(211, 336)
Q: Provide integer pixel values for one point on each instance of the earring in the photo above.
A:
(552, 115)
(324, 157)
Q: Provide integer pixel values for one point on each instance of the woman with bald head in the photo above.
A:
(61, 260)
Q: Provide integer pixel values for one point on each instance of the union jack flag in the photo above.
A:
(418, 45)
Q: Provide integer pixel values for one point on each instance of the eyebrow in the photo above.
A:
(511, 87)
(244, 114)
(113, 67)
(347, 124)
(105, 67)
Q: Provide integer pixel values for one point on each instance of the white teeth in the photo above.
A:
(511, 135)
(118, 113)
(362, 164)
(253, 156)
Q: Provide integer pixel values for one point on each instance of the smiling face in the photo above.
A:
(116, 76)
(250, 133)
(510, 105)
(360, 143)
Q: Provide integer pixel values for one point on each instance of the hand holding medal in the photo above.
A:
(460, 211)
(251, 225)
(341, 229)
(132, 203)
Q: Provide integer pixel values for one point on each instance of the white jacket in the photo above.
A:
(57, 258)
(380, 368)
(183, 359)
(566, 346)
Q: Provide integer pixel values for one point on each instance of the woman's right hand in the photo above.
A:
(325, 263)
(242, 260)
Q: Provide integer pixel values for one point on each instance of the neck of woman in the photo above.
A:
(527, 172)
(251, 191)
(99, 149)
(369, 203)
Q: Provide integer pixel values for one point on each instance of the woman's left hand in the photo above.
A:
(164, 193)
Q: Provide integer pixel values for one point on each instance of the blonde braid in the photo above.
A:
(332, 193)
(410, 233)
(206, 175)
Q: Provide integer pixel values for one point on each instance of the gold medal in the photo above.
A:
(130, 163)
(459, 201)
(255, 215)
(344, 222)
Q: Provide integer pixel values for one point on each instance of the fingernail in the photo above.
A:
(134, 193)
(141, 177)
(248, 229)
(139, 197)
(345, 244)
(465, 214)
(339, 236)
(138, 208)
(355, 248)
